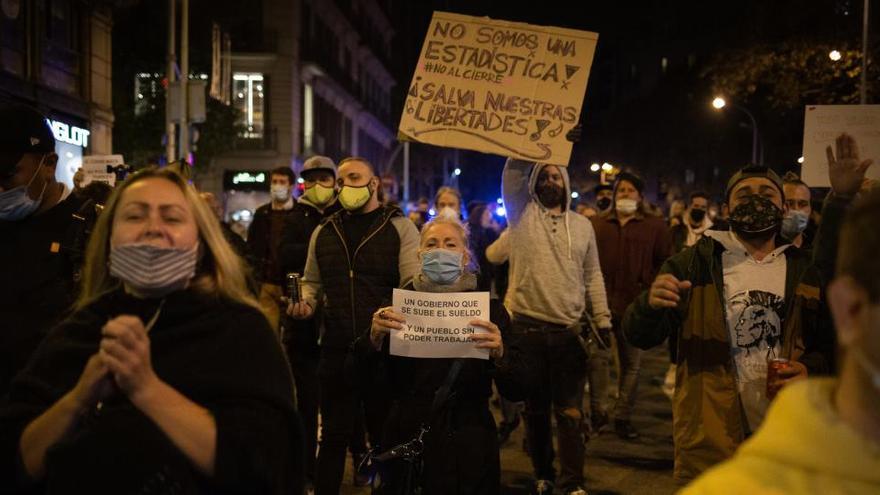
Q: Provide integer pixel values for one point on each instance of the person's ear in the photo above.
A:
(465, 259)
(849, 305)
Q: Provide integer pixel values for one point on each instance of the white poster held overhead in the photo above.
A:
(95, 168)
(437, 324)
(822, 125)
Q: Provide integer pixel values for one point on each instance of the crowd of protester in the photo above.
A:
(148, 348)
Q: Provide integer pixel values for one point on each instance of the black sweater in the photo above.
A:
(219, 354)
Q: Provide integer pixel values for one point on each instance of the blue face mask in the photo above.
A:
(793, 223)
(15, 204)
(442, 266)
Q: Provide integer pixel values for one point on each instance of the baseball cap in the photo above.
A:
(751, 171)
(25, 130)
(318, 162)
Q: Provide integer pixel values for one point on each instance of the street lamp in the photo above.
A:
(457, 172)
(834, 55)
(720, 103)
(800, 160)
(607, 167)
(595, 167)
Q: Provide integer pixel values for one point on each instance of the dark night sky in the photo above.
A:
(661, 125)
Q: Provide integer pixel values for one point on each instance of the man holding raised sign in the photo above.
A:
(445, 348)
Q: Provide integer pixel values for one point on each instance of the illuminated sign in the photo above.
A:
(69, 134)
(249, 178)
(246, 180)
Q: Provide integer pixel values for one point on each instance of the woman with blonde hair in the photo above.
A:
(166, 378)
(443, 404)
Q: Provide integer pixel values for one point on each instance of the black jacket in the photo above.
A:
(300, 336)
(356, 282)
(461, 449)
(298, 229)
(219, 354)
(258, 242)
(37, 287)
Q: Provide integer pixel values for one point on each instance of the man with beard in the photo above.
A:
(632, 246)
(734, 301)
(554, 274)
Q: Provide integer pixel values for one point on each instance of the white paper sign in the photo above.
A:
(822, 125)
(94, 168)
(437, 324)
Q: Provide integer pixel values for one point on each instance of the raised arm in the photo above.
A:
(515, 188)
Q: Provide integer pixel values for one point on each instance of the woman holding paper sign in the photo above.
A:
(449, 396)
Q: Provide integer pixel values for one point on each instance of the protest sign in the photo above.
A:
(95, 168)
(508, 88)
(822, 125)
(437, 324)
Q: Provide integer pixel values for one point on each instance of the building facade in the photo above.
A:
(55, 55)
(315, 81)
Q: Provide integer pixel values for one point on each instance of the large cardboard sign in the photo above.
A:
(437, 324)
(507, 88)
(822, 125)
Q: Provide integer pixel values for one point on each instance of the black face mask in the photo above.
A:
(550, 195)
(756, 218)
(603, 203)
(697, 215)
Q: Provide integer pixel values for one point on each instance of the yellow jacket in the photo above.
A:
(802, 447)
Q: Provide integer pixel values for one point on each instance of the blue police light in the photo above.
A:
(432, 212)
(500, 201)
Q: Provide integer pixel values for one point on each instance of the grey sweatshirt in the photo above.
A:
(554, 263)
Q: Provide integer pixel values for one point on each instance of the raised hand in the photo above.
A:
(845, 169)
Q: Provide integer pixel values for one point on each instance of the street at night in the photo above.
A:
(439, 247)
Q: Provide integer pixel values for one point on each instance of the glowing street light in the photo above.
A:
(574, 195)
(595, 167)
(801, 160)
(607, 167)
(457, 172)
(719, 102)
(834, 55)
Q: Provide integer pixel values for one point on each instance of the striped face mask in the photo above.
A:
(153, 271)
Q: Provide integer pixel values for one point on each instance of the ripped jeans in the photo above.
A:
(559, 366)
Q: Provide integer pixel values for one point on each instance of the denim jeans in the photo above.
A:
(630, 359)
(558, 361)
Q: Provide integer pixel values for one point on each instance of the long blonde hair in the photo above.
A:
(221, 273)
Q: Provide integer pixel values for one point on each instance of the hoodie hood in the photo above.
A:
(533, 183)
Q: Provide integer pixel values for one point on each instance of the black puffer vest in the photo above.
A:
(356, 282)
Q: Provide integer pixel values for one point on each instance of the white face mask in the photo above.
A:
(279, 192)
(626, 206)
(447, 212)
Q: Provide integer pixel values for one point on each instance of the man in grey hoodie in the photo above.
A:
(554, 277)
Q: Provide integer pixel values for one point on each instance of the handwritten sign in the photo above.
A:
(822, 125)
(507, 88)
(94, 168)
(437, 324)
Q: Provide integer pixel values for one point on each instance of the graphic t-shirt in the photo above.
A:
(754, 296)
